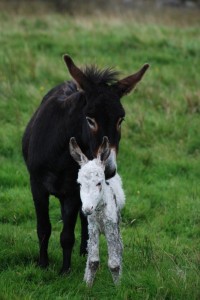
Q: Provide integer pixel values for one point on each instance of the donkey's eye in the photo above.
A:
(92, 123)
(98, 184)
(119, 122)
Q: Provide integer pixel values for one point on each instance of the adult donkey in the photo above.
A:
(88, 109)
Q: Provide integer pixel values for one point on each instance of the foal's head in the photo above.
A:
(91, 176)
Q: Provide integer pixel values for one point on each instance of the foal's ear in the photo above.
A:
(126, 85)
(76, 73)
(104, 150)
(76, 152)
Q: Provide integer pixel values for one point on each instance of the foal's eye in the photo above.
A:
(92, 123)
(120, 122)
(98, 184)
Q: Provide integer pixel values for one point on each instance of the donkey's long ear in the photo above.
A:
(76, 73)
(76, 152)
(126, 85)
(104, 150)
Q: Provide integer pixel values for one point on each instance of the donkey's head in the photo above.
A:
(91, 175)
(103, 112)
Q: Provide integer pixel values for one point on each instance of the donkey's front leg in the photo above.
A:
(93, 252)
(115, 249)
(69, 209)
(84, 234)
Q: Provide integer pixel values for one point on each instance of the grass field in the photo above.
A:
(159, 157)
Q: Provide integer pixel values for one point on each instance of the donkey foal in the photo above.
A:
(101, 201)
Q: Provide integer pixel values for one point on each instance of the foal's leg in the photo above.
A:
(84, 234)
(41, 201)
(115, 249)
(93, 252)
(69, 209)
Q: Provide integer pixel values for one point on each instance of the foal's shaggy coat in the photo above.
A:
(101, 201)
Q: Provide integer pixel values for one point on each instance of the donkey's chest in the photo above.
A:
(60, 184)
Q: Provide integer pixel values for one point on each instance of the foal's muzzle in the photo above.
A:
(87, 211)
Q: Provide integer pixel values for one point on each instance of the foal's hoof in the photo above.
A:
(115, 274)
(64, 271)
(89, 284)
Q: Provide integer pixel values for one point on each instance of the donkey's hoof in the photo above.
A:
(83, 251)
(43, 264)
(65, 271)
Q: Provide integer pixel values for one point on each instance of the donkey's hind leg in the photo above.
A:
(41, 201)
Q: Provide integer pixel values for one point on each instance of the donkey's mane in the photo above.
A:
(101, 76)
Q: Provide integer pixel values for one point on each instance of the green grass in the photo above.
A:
(159, 157)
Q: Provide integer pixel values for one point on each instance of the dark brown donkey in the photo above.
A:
(88, 109)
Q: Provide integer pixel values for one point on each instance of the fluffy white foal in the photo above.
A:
(102, 201)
